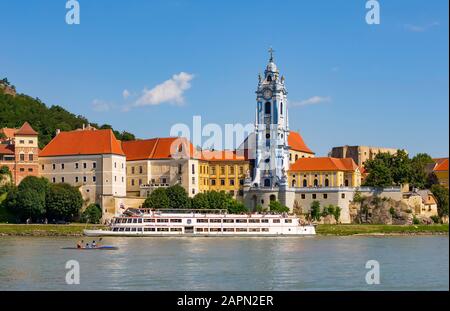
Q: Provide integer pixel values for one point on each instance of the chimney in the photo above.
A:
(84, 126)
(58, 131)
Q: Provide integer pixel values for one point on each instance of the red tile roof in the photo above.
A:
(324, 164)
(6, 149)
(157, 148)
(9, 132)
(442, 165)
(27, 130)
(296, 142)
(84, 142)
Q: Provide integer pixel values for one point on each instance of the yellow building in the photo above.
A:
(223, 171)
(441, 171)
(324, 172)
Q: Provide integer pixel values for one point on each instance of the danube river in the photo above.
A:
(315, 263)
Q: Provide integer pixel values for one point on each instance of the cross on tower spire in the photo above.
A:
(271, 50)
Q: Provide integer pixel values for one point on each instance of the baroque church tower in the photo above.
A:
(271, 129)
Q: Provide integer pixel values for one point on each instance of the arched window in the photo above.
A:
(281, 108)
(294, 183)
(305, 183)
(316, 182)
(273, 198)
(269, 78)
(346, 183)
(296, 157)
(266, 182)
(327, 183)
(267, 108)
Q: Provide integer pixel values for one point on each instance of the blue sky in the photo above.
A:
(348, 82)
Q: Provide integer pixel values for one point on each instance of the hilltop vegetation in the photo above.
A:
(15, 110)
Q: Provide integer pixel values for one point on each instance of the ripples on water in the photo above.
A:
(317, 263)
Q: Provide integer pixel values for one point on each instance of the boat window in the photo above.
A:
(199, 229)
(241, 220)
(265, 229)
(265, 221)
(135, 220)
(121, 229)
(139, 229)
(288, 221)
(175, 220)
(228, 220)
(129, 220)
(133, 229)
(215, 229)
(228, 229)
(148, 220)
(253, 221)
(176, 229)
(163, 220)
(127, 229)
(202, 220)
(140, 220)
(276, 221)
(255, 229)
(215, 220)
(241, 229)
(163, 229)
(149, 229)
(116, 229)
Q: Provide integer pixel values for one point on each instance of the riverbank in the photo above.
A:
(343, 230)
(45, 230)
(338, 230)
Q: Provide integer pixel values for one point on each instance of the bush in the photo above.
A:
(92, 214)
(178, 197)
(277, 207)
(392, 211)
(416, 220)
(157, 199)
(315, 210)
(63, 202)
(435, 219)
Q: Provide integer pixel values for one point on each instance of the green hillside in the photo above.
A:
(15, 110)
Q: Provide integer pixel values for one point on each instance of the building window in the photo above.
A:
(30, 170)
(76, 165)
(115, 164)
(266, 182)
(222, 182)
(42, 167)
(54, 166)
(115, 178)
(303, 196)
(281, 108)
(231, 170)
(241, 170)
(316, 183)
(193, 191)
(22, 141)
(327, 183)
(22, 157)
(213, 182)
(122, 179)
(343, 195)
(54, 180)
(231, 182)
(140, 170)
(193, 180)
(267, 107)
(132, 170)
(346, 182)
(22, 169)
(314, 196)
(305, 183)
(94, 164)
(94, 178)
(193, 169)
(76, 179)
(30, 142)
(293, 183)
(84, 165)
(62, 179)
(62, 166)
(222, 170)
(132, 182)
(84, 179)
(325, 196)
(30, 157)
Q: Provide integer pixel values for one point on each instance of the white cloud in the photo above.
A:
(125, 94)
(315, 100)
(170, 91)
(101, 105)
(420, 28)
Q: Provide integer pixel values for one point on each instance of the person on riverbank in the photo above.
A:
(80, 244)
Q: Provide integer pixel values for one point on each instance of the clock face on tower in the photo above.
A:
(267, 94)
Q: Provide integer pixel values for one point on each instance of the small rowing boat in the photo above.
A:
(105, 247)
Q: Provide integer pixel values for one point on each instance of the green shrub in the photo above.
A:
(277, 207)
(416, 220)
(392, 211)
(435, 219)
(92, 214)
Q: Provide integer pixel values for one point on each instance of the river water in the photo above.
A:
(314, 263)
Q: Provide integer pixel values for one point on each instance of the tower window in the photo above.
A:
(267, 108)
(269, 78)
(281, 108)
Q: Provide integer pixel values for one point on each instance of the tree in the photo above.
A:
(63, 202)
(236, 207)
(92, 214)
(315, 210)
(401, 168)
(380, 172)
(337, 213)
(157, 199)
(200, 201)
(39, 184)
(277, 207)
(419, 175)
(442, 196)
(178, 197)
(31, 204)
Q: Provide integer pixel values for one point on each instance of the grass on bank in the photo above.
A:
(381, 229)
(45, 230)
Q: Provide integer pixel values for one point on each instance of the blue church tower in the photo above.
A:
(271, 130)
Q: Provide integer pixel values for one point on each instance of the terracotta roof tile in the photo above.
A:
(9, 132)
(324, 164)
(26, 129)
(85, 142)
(296, 142)
(6, 149)
(158, 148)
(442, 165)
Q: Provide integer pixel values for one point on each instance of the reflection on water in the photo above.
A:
(318, 263)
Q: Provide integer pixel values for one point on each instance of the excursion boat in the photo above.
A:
(188, 222)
